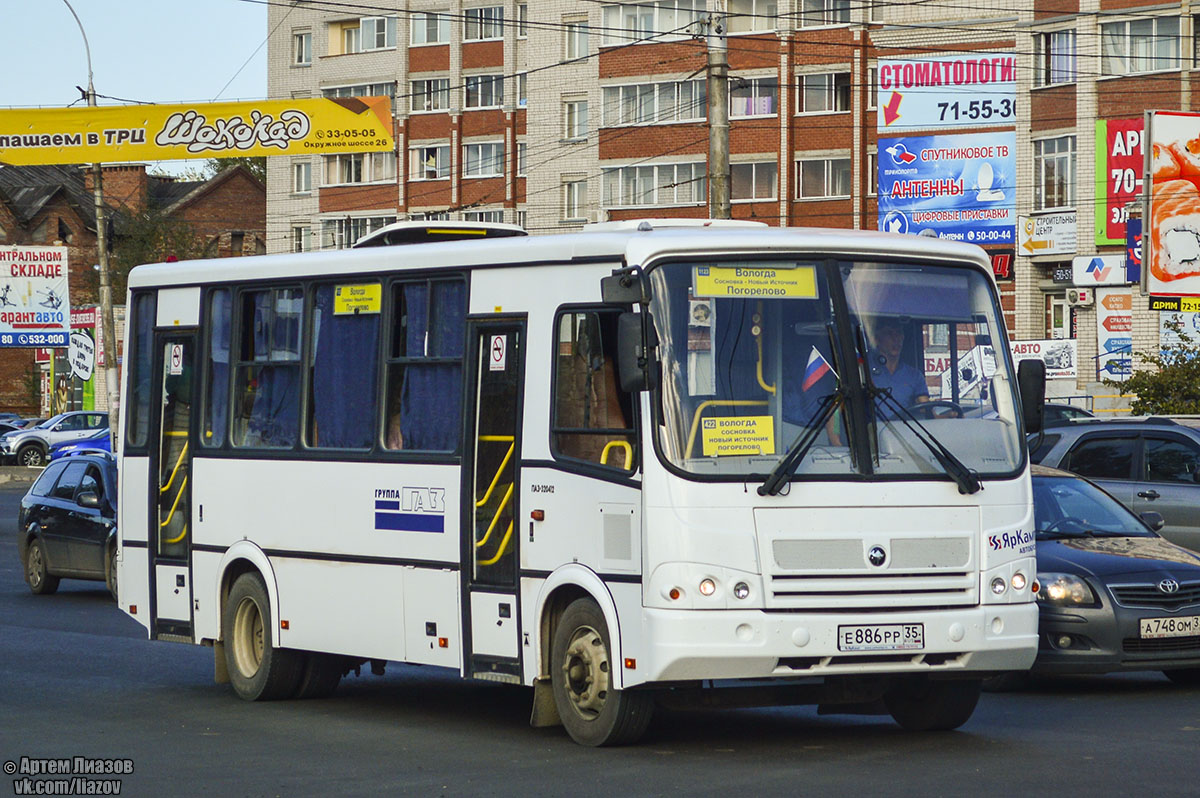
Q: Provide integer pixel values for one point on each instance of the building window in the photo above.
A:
(575, 200)
(753, 97)
(351, 40)
(522, 162)
(1141, 45)
(430, 27)
(378, 33)
(1054, 57)
(301, 238)
(302, 49)
(825, 12)
(302, 177)
(485, 91)
(483, 160)
(521, 218)
(872, 88)
(823, 178)
(1054, 173)
(753, 181)
(430, 216)
(430, 95)
(575, 119)
(522, 88)
(661, 20)
(483, 23)
(655, 184)
(522, 20)
(577, 40)
(650, 103)
(872, 174)
(824, 93)
(359, 167)
(752, 15)
(488, 217)
(342, 232)
(429, 163)
(361, 90)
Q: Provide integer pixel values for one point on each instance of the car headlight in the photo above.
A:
(1064, 590)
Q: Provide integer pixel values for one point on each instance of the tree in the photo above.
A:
(149, 237)
(1172, 385)
(256, 165)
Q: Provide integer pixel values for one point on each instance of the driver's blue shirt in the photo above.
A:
(905, 383)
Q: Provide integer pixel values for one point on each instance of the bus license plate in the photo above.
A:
(882, 637)
(1186, 626)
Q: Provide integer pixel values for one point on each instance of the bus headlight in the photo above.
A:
(707, 587)
(999, 586)
(741, 590)
(1018, 581)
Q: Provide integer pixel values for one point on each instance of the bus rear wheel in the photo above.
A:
(918, 703)
(592, 711)
(257, 669)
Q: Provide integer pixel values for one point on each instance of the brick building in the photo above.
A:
(44, 205)
(552, 114)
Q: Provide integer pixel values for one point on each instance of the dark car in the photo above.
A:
(98, 441)
(1056, 414)
(67, 523)
(1147, 463)
(1113, 595)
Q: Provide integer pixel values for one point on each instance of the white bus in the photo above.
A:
(627, 467)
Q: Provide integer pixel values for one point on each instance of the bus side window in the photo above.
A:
(592, 416)
(424, 390)
(137, 426)
(216, 405)
(341, 408)
(267, 376)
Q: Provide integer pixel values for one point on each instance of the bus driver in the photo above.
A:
(888, 371)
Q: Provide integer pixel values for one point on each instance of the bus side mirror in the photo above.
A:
(1031, 384)
(636, 341)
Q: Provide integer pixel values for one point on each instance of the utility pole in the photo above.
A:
(107, 327)
(718, 118)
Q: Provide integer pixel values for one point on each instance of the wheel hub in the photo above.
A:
(248, 638)
(586, 672)
(35, 567)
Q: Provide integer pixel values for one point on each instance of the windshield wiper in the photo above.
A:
(784, 469)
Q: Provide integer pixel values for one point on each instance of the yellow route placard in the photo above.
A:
(361, 298)
(738, 435)
(112, 134)
(756, 283)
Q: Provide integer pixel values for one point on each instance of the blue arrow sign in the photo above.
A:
(1118, 344)
(1119, 366)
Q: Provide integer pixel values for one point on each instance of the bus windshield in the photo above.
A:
(864, 358)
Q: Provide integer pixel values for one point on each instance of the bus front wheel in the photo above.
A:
(918, 703)
(257, 669)
(592, 711)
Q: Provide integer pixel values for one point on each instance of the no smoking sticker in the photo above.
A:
(176, 365)
(498, 353)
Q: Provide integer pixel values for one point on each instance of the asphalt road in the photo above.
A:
(77, 678)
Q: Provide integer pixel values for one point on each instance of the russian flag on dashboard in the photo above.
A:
(389, 516)
(816, 369)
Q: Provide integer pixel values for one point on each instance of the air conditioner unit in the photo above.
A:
(1080, 297)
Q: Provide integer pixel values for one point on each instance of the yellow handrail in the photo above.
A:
(761, 381)
(503, 547)
(716, 403)
(503, 463)
(171, 514)
(175, 470)
(496, 517)
(625, 446)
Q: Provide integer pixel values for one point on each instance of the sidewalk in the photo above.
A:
(18, 474)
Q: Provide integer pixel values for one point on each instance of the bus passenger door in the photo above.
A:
(490, 492)
(170, 515)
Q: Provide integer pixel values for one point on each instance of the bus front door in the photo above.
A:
(490, 492)
(170, 513)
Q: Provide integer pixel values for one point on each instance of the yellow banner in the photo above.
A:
(756, 283)
(362, 298)
(738, 435)
(112, 134)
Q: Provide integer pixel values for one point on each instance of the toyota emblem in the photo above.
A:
(1168, 586)
(877, 557)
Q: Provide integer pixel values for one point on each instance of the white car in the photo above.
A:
(29, 447)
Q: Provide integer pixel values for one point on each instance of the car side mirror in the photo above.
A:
(1154, 520)
(636, 342)
(87, 499)
(1031, 385)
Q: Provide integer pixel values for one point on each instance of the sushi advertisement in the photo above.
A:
(1173, 237)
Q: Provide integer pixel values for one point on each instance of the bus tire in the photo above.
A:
(257, 669)
(110, 572)
(41, 583)
(321, 675)
(918, 703)
(593, 713)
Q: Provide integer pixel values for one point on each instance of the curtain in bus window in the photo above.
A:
(269, 386)
(430, 416)
(217, 406)
(343, 375)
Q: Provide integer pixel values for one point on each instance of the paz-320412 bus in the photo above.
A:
(621, 466)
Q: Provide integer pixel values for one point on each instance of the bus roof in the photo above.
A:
(424, 232)
(627, 247)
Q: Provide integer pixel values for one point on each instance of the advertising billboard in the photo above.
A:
(957, 186)
(1059, 355)
(112, 134)
(949, 91)
(35, 305)
(1171, 231)
(1052, 234)
(1119, 163)
(1114, 333)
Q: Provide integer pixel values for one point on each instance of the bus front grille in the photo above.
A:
(873, 590)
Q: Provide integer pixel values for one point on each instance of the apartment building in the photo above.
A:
(554, 113)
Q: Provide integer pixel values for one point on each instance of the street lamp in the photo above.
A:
(108, 329)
